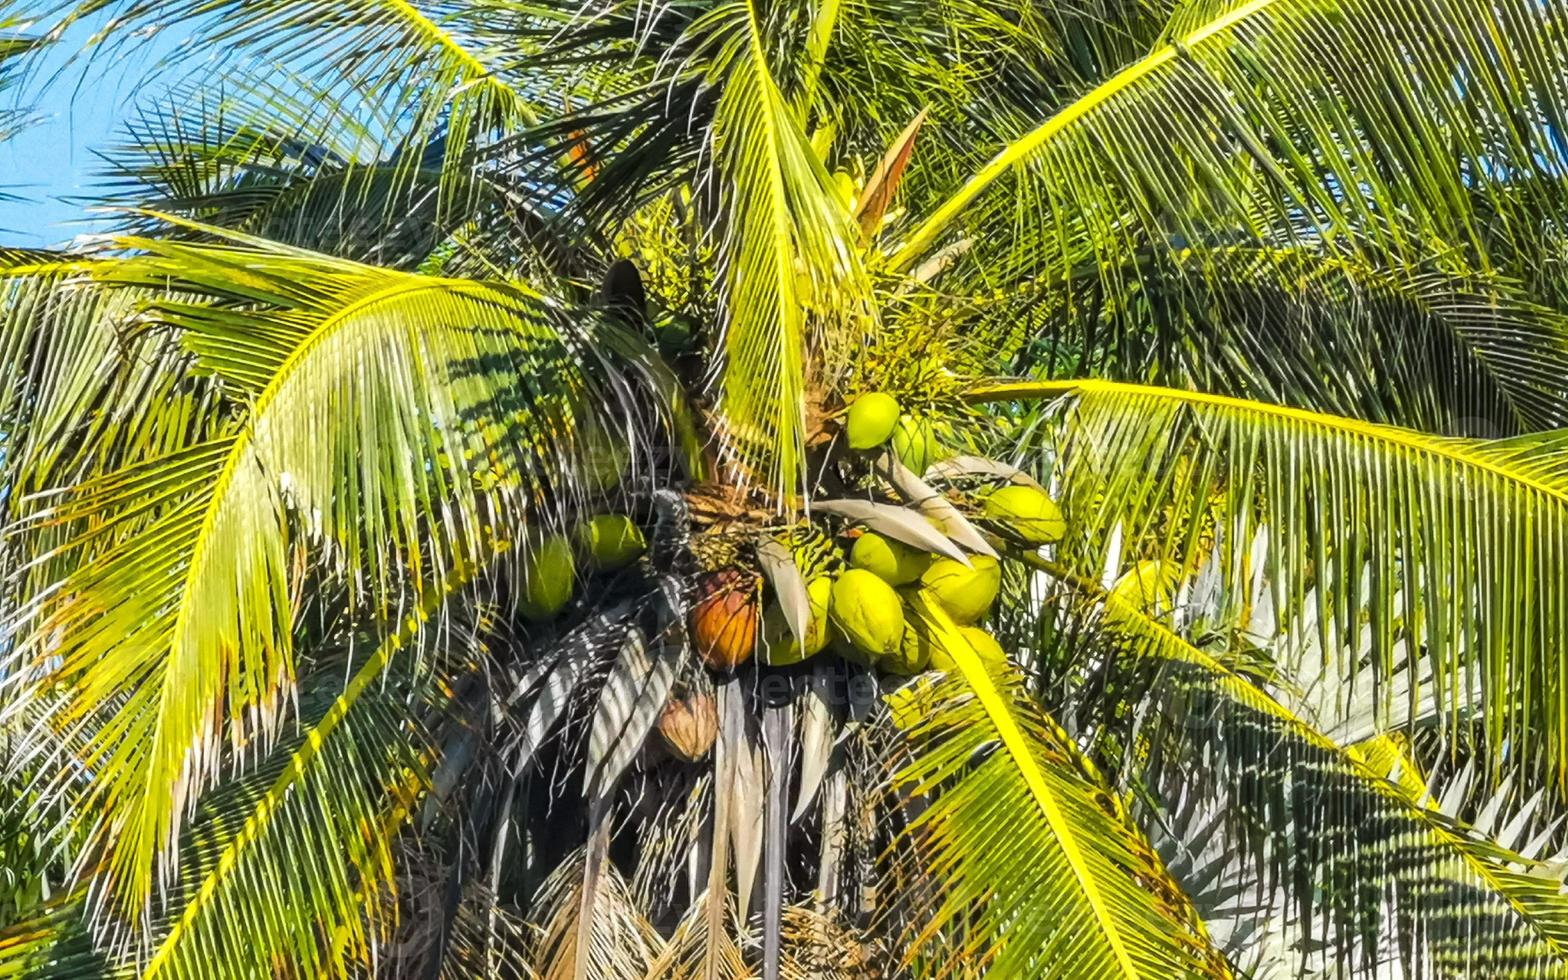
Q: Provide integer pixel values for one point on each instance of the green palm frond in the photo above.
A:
(1375, 128)
(1531, 245)
(1188, 16)
(1371, 853)
(39, 839)
(63, 348)
(371, 396)
(405, 286)
(438, 63)
(1443, 351)
(1360, 511)
(289, 162)
(82, 394)
(15, 43)
(823, 25)
(1039, 871)
(889, 59)
(793, 291)
(262, 875)
(56, 943)
(42, 901)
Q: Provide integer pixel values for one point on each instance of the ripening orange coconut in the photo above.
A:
(724, 621)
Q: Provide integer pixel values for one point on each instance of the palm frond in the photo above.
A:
(889, 59)
(290, 162)
(1449, 352)
(1188, 16)
(82, 395)
(1359, 510)
(393, 420)
(77, 388)
(1035, 868)
(822, 947)
(1367, 852)
(622, 944)
(438, 63)
(793, 289)
(55, 942)
(1377, 129)
(263, 877)
(40, 843)
(824, 23)
(15, 44)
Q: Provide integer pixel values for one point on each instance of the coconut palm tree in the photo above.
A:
(802, 489)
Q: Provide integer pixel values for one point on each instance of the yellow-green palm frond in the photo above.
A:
(81, 395)
(793, 292)
(1375, 127)
(888, 60)
(1034, 869)
(302, 844)
(55, 942)
(78, 391)
(40, 839)
(1458, 530)
(14, 44)
(1363, 857)
(1188, 16)
(392, 423)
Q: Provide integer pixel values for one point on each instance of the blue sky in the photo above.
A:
(54, 159)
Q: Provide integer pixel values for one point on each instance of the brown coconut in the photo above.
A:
(689, 725)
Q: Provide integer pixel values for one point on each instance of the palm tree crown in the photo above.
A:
(829, 488)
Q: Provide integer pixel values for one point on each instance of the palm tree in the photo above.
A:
(426, 514)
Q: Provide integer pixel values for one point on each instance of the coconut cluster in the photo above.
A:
(898, 589)
(878, 600)
(876, 419)
(864, 613)
(552, 567)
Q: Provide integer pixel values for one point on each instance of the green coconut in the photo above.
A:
(914, 442)
(610, 541)
(674, 335)
(1147, 585)
(914, 652)
(985, 646)
(780, 646)
(871, 420)
(866, 613)
(602, 460)
(965, 592)
(548, 575)
(1028, 513)
(895, 562)
(844, 184)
